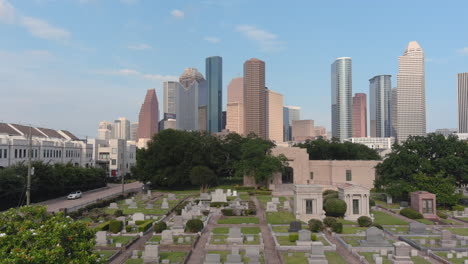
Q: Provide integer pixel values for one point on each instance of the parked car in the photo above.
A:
(74, 195)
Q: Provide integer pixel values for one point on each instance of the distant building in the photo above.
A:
(235, 115)
(255, 98)
(446, 131)
(380, 95)
(105, 130)
(393, 109)
(342, 98)
(462, 136)
(290, 113)
(191, 101)
(359, 115)
(463, 102)
(274, 106)
(223, 123)
(170, 91)
(115, 156)
(214, 79)
(133, 131)
(379, 143)
(302, 130)
(149, 116)
(121, 129)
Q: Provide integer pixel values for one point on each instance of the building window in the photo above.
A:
(355, 206)
(311, 175)
(427, 206)
(16, 153)
(5, 153)
(24, 153)
(349, 177)
(1, 154)
(114, 161)
(309, 208)
(114, 151)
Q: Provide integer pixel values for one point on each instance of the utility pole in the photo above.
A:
(28, 184)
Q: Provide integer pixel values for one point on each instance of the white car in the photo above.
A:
(74, 195)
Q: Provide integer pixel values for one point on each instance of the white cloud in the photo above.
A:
(141, 46)
(177, 13)
(266, 40)
(212, 39)
(463, 51)
(37, 27)
(131, 72)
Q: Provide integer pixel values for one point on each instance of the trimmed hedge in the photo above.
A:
(410, 213)
(217, 204)
(371, 203)
(128, 228)
(315, 225)
(103, 227)
(244, 188)
(441, 215)
(115, 226)
(337, 228)
(364, 221)
(145, 226)
(293, 237)
(458, 207)
(160, 226)
(329, 220)
(194, 226)
(227, 212)
(118, 213)
(139, 222)
(379, 226)
(335, 207)
(262, 192)
(313, 237)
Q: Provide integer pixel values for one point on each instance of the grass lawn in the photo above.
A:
(244, 196)
(106, 254)
(127, 211)
(352, 240)
(221, 238)
(346, 222)
(300, 258)
(397, 229)
(383, 218)
(353, 230)
(452, 260)
(419, 260)
(425, 221)
(281, 217)
(334, 257)
(284, 241)
(389, 206)
(155, 239)
(220, 230)
(241, 252)
(458, 231)
(256, 240)
(239, 220)
(173, 256)
(280, 229)
(134, 261)
(121, 239)
(368, 256)
(250, 230)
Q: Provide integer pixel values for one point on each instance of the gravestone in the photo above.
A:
(234, 193)
(449, 255)
(132, 205)
(167, 237)
(304, 238)
(417, 228)
(180, 240)
(101, 238)
(401, 253)
(148, 193)
(374, 238)
(149, 206)
(422, 241)
(135, 254)
(389, 199)
(414, 252)
(234, 257)
(271, 207)
(171, 196)
(205, 196)
(128, 201)
(235, 236)
(212, 259)
(378, 260)
(178, 223)
(188, 239)
(275, 200)
(138, 217)
(250, 238)
(295, 226)
(164, 204)
(252, 251)
(403, 204)
(165, 261)
(432, 242)
(151, 254)
(118, 245)
(228, 192)
(286, 205)
(447, 241)
(317, 255)
(113, 206)
(218, 196)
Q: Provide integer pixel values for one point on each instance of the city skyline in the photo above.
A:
(124, 65)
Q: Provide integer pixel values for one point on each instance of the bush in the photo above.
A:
(218, 204)
(115, 226)
(259, 192)
(364, 221)
(371, 203)
(128, 228)
(458, 207)
(379, 226)
(194, 226)
(139, 222)
(335, 207)
(118, 213)
(315, 225)
(103, 227)
(250, 212)
(410, 213)
(441, 215)
(160, 226)
(337, 228)
(227, 212)
(329, 220)
(145, 225)
(313, 237)
(328, 192)
(293, 237)
(244, 188)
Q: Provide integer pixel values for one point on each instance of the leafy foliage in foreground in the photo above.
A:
(321, 149)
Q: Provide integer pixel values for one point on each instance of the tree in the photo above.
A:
(434, 163)
(321, 149)
(31, 235)
(202, 176)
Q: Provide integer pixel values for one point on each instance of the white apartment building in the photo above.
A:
(116, 156)
(379, 143)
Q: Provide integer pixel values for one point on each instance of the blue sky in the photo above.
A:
(68, 64)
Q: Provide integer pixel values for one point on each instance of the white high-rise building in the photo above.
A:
(105, 130)
(290, 113)
(463, 102)
(411, 93)
(274, 103)
(169, 101)
(380, 95)
(342, 98)
(121, 129)
(133, 131)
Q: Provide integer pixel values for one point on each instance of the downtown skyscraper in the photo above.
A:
(360, 115)
(191, 100)
(380, 94)
(255, 98)
(463, 102)
(169, 104)
(411, 93)
(290, 113)
(235, 117)
(149, 116)
(342, 98)
(214, 78)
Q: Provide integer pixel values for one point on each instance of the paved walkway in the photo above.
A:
(341, 250)
(199, 252)
(54, 205)
(139, 244)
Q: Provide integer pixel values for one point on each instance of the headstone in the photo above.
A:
(101, 238)
(178, 222)
(148, 193)
(250, 238)
(459, 255)
(212, 259)
(466, 261)
(164, 204)
(383, 252)
(135, 254)
(205, 196)
(252, 251)
(432, 242)
(218, 196)
(447, 241)
(389, 199)
(171, 196)
(113, 206)
(446, 235)
(234, 193)
(228, 192)
(165, 261)
(188, 239)
(254, 260)
(465, 254)
(317, 255)
(271, 207)
(414, 252)
(138, 217)
(463, 242)
(235, 251)
(374, 238)
(235, 236)
(422, 241)
(404, 204)
(295, 226)
(234, 258)
(149, 206)
(167, 237)
(128, 201)
(286, 205)
(186, 215)
(417, 228)
(180, 240)
(151, 254)
(401, 252)
(304, 235)
(378, 260)
(449, 255)
(275, 200)
(132, 205)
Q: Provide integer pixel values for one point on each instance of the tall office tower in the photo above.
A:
(105, 130)
(380, 90)
(290, 113)
(274, 108)
(255, 97)
(170, 90)
(235, 106)
(223, 120)
(191, 101)
(214, 79)
(149, 116)
(463, 102)
(359, 115)
(393, 103)
(121, 129)
(133, 131)
(342, 98)
(303, 130)
(411, 93)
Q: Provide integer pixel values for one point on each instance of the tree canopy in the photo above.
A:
(433, 163)
(321, 149)
(31, 235)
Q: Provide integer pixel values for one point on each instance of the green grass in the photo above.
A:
(352, 240)
(127, 211)
(353, 230)
(134, 261)
(241, 252)
(458, 231)
(173, 256)
(244, 196)
(222, 239)
(334, 258)
(238, 220)
(155, 239)
(388, 206)
(281, 217)
(296, 258)
(425, 221)
(398, 229)
(383, 218)
(280, 229)
(419, 260)
(121, 239)
(368, 256)
(346, 222)
(452, 260)
(106, 253)
(284, 241)
(250, 230)
(220, 230)
(256, 240)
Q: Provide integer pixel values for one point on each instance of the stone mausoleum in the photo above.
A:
(308, 202)
(425, 203)
(357, 201)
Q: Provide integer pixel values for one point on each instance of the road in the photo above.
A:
(55, 204)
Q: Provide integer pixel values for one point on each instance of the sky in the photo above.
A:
(68, 64)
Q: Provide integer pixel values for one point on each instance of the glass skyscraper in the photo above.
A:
(342, 98)
(380, 90)
(214, 78)
(290, 113)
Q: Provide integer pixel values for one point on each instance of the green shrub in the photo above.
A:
(103, 227)
(379, 226)
(259, 192)
(227, 212)
(364, 221)
(327, 192)
(293, 237)
(115, 226)
(313, 237)
(218, 204)
(178, 208)
(128, 228)
(250, 212)
(371, 203)
(458, 207)
(329, 220)
(118, 213)
(315, 225)
(139, 222)
(337, 227)
(194, 226)
(410, 213)
(160, 226)
(335, 207)
(145, 225)
(441, 215)
(244, 188)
